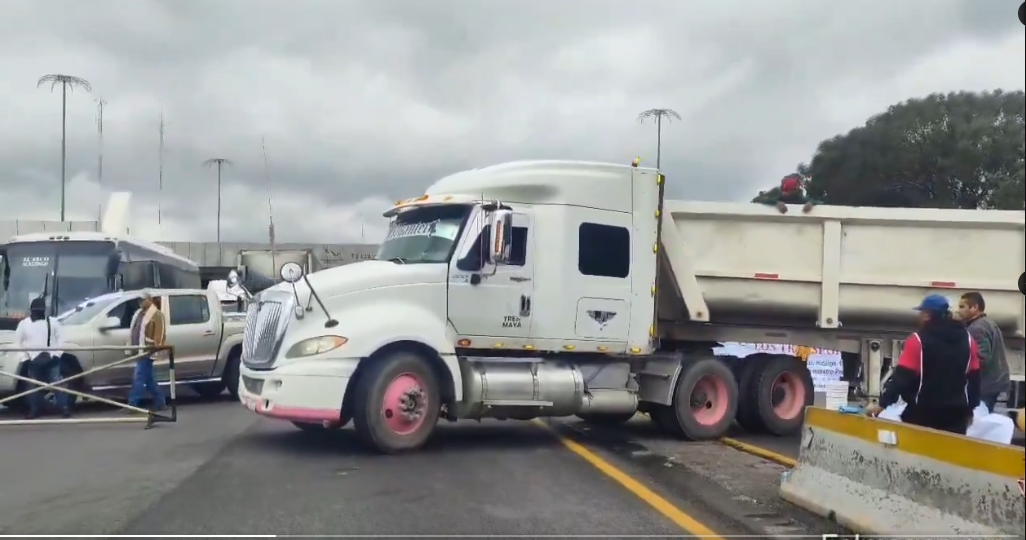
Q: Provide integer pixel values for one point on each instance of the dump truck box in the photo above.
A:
(837, 267)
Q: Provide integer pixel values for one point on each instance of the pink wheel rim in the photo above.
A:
(405, 404)
(709, 400)
(791, 392)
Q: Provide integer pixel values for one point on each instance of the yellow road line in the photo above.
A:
(759, 452)
(664, 507)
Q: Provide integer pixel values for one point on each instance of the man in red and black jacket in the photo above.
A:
(938, 373)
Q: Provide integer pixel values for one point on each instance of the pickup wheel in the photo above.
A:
(397, 403)
(209, 390)
(704, 402)
(230, 376)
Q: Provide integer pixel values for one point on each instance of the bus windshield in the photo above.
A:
(66, 272)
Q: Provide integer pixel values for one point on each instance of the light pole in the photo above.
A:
(66, 82)
(219, 163)
(659, 114)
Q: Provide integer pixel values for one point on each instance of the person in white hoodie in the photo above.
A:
(39, 333)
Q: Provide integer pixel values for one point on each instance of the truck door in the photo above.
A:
(115, 337)
(194, 333)
(495, 305)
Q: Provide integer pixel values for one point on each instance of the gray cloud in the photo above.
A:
(364, 102)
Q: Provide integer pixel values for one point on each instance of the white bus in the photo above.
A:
(67, 268)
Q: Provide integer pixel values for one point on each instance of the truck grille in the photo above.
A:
(266, 320)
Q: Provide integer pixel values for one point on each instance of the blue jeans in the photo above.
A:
(144, 382)
(36, 400)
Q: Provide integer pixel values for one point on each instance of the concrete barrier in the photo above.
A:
(883, 478)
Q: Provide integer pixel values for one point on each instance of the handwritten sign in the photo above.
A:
(411, 229)
(825, 365)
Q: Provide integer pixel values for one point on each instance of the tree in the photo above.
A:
(220, 163)
(658, 115)
(959, 150)
(66, 82)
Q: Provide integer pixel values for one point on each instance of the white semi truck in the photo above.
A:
(555, 288)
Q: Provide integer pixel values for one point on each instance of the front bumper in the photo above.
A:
(308, 391)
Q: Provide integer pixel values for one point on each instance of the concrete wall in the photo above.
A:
(26, 226)
(226, 254)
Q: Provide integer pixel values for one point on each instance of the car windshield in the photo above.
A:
(423, 235)
(88, 310)
(66, 273)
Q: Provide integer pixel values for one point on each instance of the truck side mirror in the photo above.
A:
(500, 243)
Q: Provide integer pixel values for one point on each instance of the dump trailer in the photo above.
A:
(558, 288)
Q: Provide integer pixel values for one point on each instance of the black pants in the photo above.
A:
(951, 420)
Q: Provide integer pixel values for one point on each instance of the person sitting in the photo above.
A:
(41, 334)
(791, 192)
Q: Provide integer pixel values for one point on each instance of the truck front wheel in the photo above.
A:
(397, 403)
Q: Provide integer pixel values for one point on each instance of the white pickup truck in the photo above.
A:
(556, 288)
(207, 343)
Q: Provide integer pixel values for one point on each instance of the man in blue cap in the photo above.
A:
(938, 373)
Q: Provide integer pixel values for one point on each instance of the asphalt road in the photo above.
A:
(222, 470)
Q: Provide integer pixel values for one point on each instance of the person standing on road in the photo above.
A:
(994, 373)
(149, 329)
(938, 373)
(41, 332)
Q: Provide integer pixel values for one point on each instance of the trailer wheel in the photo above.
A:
(397, 403)
(607, 419)
(774, 397)
(704, 402)
(747, 412)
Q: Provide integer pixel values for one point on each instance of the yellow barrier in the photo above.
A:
(884, 478)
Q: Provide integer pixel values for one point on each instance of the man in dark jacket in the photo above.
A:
(791, 192)
(994, 375)
(938, 373)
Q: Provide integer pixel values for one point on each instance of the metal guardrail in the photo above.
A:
(148, 417)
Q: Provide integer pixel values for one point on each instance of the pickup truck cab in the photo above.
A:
(206, 340)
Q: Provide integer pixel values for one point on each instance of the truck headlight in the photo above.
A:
(315, 345)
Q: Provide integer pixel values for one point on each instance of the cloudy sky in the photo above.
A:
(364, 102)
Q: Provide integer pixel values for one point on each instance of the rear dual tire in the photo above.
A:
(775, 391)
(705, 402)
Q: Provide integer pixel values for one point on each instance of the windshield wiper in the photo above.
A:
(398, 260)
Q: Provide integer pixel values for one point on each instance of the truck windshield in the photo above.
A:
(423, 235)
(66, 272)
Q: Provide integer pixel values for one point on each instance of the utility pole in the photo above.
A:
(270, 208)
(160, 173)
(100, 103)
